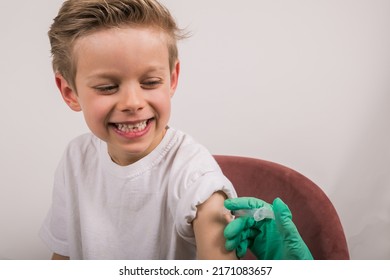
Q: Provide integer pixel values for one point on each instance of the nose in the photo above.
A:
(131, 100)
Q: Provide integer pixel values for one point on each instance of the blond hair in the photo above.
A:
(77, 18)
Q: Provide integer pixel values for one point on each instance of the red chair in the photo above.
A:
(313, 213)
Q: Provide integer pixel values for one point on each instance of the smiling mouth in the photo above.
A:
(132, 127)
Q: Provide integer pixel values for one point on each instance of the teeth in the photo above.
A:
(132, 127)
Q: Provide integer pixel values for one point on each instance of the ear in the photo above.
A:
(68, 94)
(175, 77)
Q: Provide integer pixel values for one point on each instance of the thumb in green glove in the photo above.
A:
(270, 239)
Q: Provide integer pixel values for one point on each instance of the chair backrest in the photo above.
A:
(313, 213)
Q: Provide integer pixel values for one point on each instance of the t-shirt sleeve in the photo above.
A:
(54, 229)
(195, 194)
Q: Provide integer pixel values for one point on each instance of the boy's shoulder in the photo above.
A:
(186, 144)
(83, 143)
(189, 152)
(79, 151)
(82, 139)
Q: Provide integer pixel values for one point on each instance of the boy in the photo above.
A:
(133, 188)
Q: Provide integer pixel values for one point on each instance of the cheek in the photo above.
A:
(95, 110)
(164, 101)
(165, 107)
(159, 102)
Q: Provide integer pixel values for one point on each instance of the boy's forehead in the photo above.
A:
(116, 33)
(110, 46)
(116, 39)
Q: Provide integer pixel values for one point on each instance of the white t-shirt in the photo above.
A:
(101, 210)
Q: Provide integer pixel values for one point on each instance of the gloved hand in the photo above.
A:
(268, 239)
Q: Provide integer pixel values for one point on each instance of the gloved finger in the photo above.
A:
(231, 244)
(236, 226)
(283, 219)
(236, 241)
(281, 209)
(243, 203)
(242, 248)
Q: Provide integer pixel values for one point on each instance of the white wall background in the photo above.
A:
(302, 83)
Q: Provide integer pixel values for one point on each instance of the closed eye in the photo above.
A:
(109, 89)
(151, 83)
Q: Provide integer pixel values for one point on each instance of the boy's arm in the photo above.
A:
(59, 257)
(209, 225)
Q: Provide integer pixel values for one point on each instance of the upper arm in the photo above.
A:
(208, 226)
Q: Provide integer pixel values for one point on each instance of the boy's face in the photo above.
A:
(124, 88)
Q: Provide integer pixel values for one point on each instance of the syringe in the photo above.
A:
(258, 214)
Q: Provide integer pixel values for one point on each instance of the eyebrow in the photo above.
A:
(155, 69)
(112, 74)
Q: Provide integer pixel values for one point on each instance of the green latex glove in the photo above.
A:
(268, 239)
